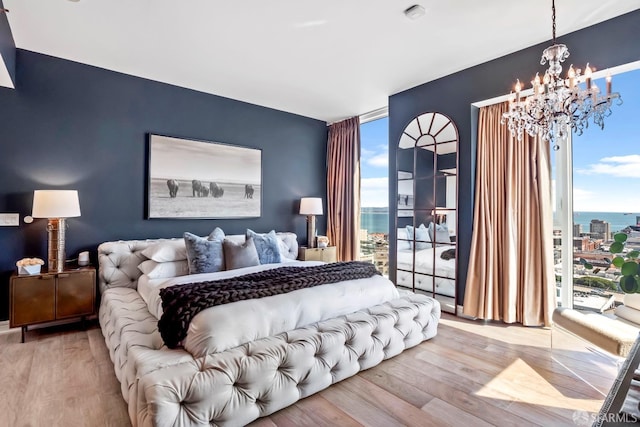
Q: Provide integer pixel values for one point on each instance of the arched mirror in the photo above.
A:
(427, 202)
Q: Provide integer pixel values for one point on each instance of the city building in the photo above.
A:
(577, 230)
(585, 244)
(600, 229)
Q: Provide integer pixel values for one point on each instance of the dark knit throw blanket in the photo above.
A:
(448, 254)
(181, 303)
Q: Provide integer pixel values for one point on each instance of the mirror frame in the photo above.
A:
(426, 130)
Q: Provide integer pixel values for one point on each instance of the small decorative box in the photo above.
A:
(29, 269)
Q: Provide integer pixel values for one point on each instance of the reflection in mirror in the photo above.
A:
(405, 190)
(426, 211)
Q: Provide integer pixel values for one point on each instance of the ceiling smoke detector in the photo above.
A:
(414, 12)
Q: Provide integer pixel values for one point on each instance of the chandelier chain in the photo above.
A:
(553, 19)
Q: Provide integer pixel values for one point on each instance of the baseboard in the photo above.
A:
(4, 327)
(460, 313)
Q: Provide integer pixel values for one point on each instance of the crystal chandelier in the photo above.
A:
(558, 105)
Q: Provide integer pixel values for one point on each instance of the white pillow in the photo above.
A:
(164, 270)
(284, 250)
(441, 234)
(422, 237)
(166, 250)
(403, 240)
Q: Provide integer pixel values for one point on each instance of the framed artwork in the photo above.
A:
(189, 178)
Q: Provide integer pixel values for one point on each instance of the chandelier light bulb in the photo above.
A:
(572, 76)
(587, 71)
(587, 75)
(536, 81)
(546, 79)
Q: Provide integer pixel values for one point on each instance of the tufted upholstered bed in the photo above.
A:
(173, 387)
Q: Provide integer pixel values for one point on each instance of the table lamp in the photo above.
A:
(56, 205)
(311, 206)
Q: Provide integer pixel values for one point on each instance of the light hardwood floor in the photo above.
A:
(471, 373)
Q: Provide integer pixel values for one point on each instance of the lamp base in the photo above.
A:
(55, 248)
(311, 231)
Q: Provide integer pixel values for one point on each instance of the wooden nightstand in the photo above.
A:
(47, 297)
(327, 254)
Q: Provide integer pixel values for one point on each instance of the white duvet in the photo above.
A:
(424, 261)
(226, 326)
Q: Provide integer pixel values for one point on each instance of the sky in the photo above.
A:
(606, 163)
(374, 163)
(187, 159)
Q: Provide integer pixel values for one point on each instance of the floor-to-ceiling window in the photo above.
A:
(374, 192)
(596, 187)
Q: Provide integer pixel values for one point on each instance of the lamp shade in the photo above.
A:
(55, 204)
(311, 206)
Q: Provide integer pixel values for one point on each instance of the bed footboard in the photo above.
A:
(166, 387)
(256, 379)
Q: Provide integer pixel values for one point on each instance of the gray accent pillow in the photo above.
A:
(441, 233)
(266, 245)
(422, 237)
(205, 255)
(238, 255)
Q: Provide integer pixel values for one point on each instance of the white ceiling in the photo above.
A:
(327, 59)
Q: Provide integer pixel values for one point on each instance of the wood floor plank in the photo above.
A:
(46, 374)
(114, 409)
(476, 386)
(16, 365)
(403, 412)
(292, 416)
(322, 412)
(395, 385)
(443, 414)
(263, 422)
(491, 364)
(459, 393)
(43, 412)
(363, 411)
(586, 361)
(312, 411)
(592, 377)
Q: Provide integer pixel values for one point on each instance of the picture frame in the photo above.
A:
(197, 179)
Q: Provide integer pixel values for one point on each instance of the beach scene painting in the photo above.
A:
(201, 179)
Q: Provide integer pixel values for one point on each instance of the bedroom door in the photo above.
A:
(427, 200)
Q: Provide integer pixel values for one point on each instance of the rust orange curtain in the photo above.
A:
(510, 275)
(343, 188)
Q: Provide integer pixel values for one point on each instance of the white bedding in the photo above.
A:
(226, 326)
(424, 261)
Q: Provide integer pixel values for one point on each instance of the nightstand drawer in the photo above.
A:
(327, 254)
(32, 300)
(75, 294)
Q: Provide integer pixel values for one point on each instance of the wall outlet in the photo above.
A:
(9, 219)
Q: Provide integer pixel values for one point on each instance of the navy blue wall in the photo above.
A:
(610, 43)
(73, 126)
